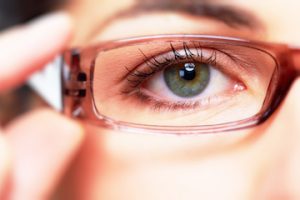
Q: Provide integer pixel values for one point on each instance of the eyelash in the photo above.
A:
(136, 77)
(153, 65)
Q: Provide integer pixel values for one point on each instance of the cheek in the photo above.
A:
(213, 178)
(116, 165)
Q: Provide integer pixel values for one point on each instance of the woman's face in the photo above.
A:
(257, 163)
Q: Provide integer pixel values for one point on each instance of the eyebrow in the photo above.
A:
(232, 16)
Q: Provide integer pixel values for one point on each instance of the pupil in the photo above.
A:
(188, 72)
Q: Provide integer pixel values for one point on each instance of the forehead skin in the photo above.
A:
(281, 19)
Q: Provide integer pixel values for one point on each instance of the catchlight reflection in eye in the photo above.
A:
(181, 83)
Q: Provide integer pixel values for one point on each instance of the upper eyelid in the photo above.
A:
(189, 54)
(176, 52)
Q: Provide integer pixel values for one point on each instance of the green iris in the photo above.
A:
(187, 79)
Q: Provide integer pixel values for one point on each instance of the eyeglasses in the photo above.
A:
(181, 84)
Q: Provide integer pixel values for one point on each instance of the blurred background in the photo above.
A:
(17, 11)
(13, 12)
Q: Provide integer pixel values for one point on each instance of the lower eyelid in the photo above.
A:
(187, 107)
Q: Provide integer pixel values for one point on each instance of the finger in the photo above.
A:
(43, 144)
(27, 48)
(4, 164)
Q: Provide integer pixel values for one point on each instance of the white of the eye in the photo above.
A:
(218, 83)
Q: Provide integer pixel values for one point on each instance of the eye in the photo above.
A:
(181, 83)
(191, 82)
(187, 79)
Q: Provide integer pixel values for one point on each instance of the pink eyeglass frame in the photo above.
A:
(77, 84)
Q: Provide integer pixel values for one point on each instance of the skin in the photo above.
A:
(258, 163)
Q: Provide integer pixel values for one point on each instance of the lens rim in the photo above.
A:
(282, 78)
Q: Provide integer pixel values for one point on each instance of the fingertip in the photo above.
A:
(68, 127)
(49, 122)
(44, 143)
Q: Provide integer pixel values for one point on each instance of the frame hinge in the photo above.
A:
(76, 86)
(76, 83)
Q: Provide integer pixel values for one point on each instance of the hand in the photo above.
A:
(36, 148)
